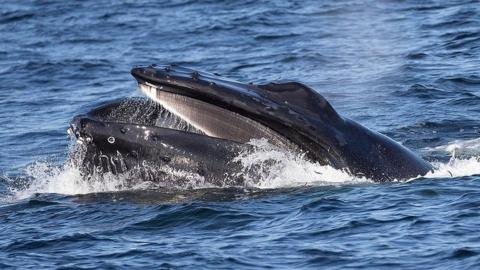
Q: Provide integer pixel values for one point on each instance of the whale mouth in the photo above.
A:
(166, 130)
(210, 120)
(141, 112)
(166, 110)
(138, 112)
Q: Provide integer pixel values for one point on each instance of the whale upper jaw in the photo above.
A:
(212, 120)
(292, 112)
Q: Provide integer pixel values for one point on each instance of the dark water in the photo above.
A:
(409, 69)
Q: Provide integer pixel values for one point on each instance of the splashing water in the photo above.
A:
(464, 161)
(68, 179)
(456, 167)
(267, 167)
(459, 147)
(271, 167)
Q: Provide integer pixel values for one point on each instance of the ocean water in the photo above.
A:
(409, 69)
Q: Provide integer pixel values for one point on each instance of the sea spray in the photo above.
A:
(266, 167)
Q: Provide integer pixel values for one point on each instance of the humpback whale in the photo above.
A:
(199, 122)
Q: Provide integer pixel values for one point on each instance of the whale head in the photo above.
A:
(212, 111)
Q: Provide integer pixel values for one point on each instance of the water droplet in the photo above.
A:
(195, 75)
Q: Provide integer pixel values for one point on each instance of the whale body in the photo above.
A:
(199, 122)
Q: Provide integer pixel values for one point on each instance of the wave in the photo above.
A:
(464, 161)
(267, 167)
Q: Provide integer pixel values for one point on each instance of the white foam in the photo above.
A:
(464, 161)
(271, 167)
(266, 167)
(456, 167)
(48, 178)
(459, 146)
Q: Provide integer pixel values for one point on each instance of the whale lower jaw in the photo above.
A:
(141, 138)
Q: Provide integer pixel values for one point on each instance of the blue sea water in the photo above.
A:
(409, 69)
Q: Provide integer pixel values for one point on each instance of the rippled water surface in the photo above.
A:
(409, 69)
